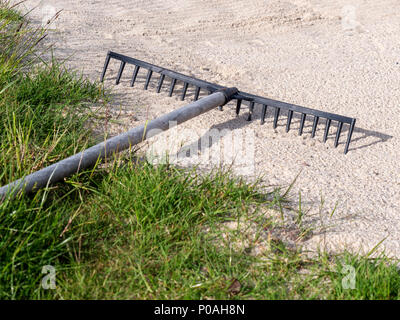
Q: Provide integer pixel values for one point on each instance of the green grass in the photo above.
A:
(43, 109)
(42, 118)
(9, 12)
(138, 231)
(150, 232)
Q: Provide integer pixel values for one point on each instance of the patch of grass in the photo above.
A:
(144, 223)
(42, 119)
(155, 233)
(43, 110)
(9, 12)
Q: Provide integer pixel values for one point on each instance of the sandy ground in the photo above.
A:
(337, 56)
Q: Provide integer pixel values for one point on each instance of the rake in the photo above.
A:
(240, 96)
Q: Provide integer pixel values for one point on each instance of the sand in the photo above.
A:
(336, 56)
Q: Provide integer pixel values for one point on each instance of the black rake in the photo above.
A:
(239, 97)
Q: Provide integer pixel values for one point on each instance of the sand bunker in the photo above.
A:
(339, 56)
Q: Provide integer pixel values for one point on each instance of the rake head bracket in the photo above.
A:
(229, 93)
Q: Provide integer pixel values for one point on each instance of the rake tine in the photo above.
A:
(135, 73)
(251, 109)
(149, 74)
(160, 82)
(314, 127)
(171, 89)
(238, 104)
(351, 129)
(302, 120)
(277, 111)
(263, 112)
(289, 120)
(327, 125)
(339, 129)
(196, 94)
(121, 69)
(185, 86)
(105, 67)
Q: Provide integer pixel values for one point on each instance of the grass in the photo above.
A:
(138, 231)
(9, 15)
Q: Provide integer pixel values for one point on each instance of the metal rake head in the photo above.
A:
(209, 87)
